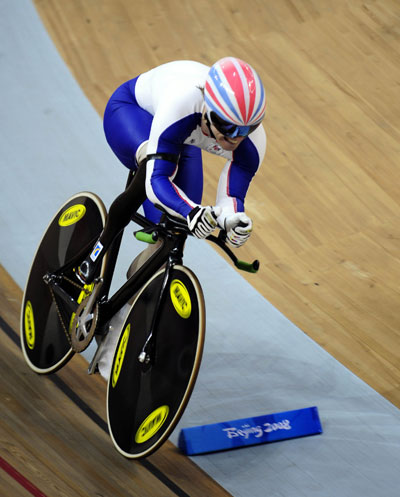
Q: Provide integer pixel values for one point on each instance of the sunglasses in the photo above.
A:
(230, 130)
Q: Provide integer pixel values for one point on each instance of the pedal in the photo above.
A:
(93, 366)
(104, 354)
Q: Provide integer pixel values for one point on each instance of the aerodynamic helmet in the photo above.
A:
(234, 97)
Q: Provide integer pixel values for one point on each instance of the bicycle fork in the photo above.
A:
(147, 354)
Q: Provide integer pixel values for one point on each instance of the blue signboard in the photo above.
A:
(250, 431)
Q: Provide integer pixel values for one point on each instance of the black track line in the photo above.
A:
(61, 385)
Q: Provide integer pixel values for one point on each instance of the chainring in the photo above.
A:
(83, 326)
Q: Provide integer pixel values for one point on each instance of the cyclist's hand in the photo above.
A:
(203, 220)
(238, 229)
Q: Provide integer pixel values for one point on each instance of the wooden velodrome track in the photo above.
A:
(325, 206)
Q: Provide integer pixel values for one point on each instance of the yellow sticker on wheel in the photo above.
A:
(180, 299)
(151, 424)
(29, 325)
(72, 215)
(120, 355)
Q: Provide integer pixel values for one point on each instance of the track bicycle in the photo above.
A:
(159, 349)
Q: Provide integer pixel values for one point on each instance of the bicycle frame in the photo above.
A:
(173, 233)
(170, 253)
(162, 302)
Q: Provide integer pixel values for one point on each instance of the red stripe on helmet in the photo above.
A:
(250, 87)
(235, 82)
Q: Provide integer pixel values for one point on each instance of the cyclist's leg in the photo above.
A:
(126, 124)
(127, 127)
(119, 215)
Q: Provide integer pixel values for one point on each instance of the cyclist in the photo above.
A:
(158, 123)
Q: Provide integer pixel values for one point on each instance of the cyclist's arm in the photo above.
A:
(171, 126)
(237, 174)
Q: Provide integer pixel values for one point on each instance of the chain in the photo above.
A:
(67, 334)
(75, 284)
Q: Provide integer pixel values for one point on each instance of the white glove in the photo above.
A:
(238, 228)
(203, 220)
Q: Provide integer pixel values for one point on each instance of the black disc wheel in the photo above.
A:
(146, 400)
(45, 322)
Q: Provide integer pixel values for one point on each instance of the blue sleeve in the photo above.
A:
(171, 141)
(245, 163)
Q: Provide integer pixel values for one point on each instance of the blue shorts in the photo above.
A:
(127, 125)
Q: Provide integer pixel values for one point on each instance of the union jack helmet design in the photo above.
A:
(234, 91)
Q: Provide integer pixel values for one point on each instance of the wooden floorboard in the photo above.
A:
(53, 430)
(325, 205)
(326, 201)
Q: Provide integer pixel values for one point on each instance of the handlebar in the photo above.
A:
(149, 235)
(249, 267)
